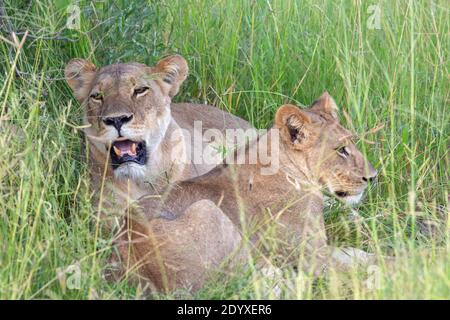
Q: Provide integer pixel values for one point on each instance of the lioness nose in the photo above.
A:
(117, 122)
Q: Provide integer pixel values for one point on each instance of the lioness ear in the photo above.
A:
(326, 104)
(295, 127)
(173, 70)
(79, 74)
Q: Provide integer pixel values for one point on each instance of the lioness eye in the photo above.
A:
(140, 90)
(96, 96)
(342, 151)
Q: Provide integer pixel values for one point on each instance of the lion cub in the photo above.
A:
(175, 240)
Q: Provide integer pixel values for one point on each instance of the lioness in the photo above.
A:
(137, 137)
(173, 249)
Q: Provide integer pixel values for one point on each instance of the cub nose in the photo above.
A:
(117, 122)
(371, 175)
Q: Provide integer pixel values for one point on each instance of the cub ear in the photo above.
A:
(79, 74)
(173, 71)
(295, 127)
(326, 104)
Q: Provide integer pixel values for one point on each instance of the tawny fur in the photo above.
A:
(155, 119)
(288, 203)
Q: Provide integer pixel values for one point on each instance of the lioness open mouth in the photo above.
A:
(123, 151)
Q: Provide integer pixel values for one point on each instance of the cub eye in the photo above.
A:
(343, 151)
(140, 90)
(96, 96)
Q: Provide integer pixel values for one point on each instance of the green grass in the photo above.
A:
(247, 57)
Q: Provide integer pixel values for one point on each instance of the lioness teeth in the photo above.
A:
(117, 151)
(133, 148)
